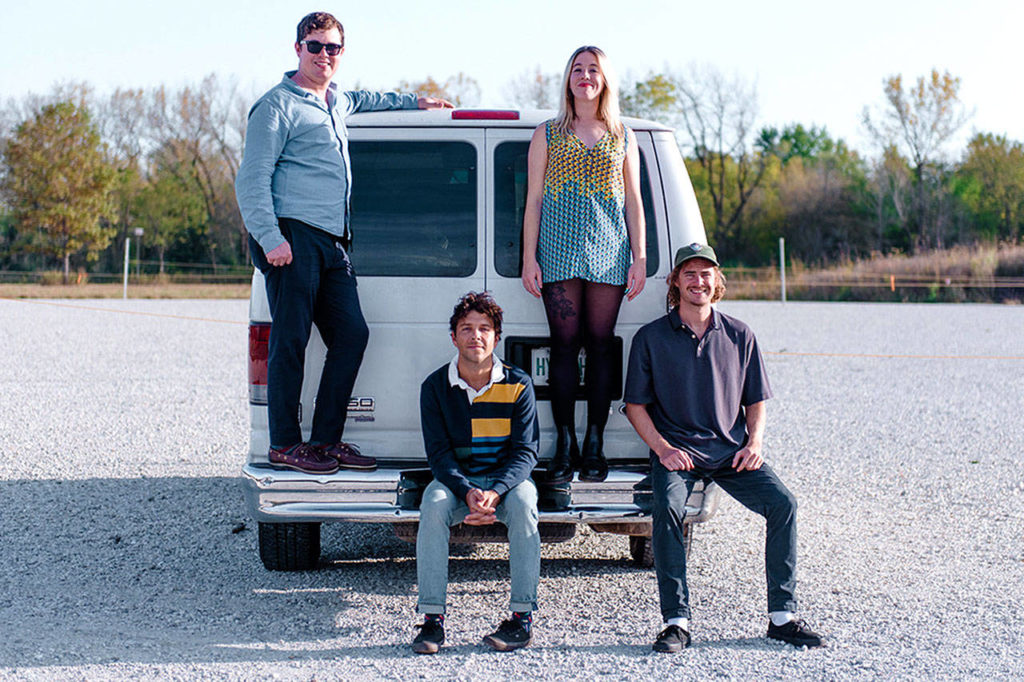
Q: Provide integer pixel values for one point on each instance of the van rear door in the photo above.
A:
(417, 225)
(525, 324)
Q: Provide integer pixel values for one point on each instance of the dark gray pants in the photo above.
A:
(317, 287)
(760, 491)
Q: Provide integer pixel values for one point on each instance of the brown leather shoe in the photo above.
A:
(303, 457)
(348, 456)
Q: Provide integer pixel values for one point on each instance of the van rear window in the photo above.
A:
(414, 208)
(510, 200)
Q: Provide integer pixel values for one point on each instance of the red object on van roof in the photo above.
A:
(485, 115)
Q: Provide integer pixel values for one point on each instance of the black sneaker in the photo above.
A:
(430, 638)
(795, 632)
(511, 635)
(672, 640)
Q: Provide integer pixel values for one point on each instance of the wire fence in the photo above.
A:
(766, 283)
(743, 282)
(139, 272)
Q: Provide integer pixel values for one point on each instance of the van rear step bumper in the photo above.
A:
(284, 496)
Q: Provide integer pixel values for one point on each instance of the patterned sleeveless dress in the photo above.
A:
(582, 219)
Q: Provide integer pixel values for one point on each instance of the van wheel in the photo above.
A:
(406, 530)
(290, 546)
(642, 550)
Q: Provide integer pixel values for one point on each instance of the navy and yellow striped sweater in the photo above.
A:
(496, 437)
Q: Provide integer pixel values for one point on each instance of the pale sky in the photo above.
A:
(816, 63)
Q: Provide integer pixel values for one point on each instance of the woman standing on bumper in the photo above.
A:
(583, 247)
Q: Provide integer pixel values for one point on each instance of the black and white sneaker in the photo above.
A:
(795, 632)
(510, 635)
(430, 638)
(671, 640)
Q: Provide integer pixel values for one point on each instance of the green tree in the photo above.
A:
(795, 141)
(992, 185)
(169, 208)
(824, 205)
(197, 134)
(919, 121)
(891, 191)
(826, 216)
(655, 97)
(8, 235)
(58, 183)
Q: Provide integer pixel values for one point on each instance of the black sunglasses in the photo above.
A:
(314, 47)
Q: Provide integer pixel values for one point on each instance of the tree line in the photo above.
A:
(79, 172)
(758, 183)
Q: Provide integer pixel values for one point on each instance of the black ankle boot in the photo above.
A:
(567, 453)
(594, 467)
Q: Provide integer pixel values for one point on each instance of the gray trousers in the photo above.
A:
(441, 509)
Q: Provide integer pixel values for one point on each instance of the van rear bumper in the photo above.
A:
(285, 496)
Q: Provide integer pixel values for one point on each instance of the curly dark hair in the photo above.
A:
(673, 290)
(318, 21)
(480, 302)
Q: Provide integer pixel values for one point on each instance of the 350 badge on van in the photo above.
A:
(360, 408)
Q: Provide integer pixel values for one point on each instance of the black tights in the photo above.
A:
(581, 314)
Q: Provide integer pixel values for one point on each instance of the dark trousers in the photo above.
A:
(760, 491)
(317, 287)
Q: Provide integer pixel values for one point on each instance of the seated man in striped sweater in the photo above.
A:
(479, 422)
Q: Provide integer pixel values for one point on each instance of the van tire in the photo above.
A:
(290, 546)
(642, 549)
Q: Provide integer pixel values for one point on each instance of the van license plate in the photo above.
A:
(532, 354)
(540, 358)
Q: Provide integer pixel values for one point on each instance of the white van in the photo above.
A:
(437, 211)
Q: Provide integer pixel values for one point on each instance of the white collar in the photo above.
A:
(497, 374)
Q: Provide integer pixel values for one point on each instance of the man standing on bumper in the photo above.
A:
(293, 191)
(695, 393)
(479, 420)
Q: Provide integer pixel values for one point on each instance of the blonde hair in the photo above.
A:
(607, 103)
(673, 287)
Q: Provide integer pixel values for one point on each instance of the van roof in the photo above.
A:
(471, 118)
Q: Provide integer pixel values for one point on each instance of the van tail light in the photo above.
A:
(259, 341)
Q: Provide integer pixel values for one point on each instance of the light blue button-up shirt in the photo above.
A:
(296, 162)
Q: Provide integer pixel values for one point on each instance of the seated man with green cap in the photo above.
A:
(695, 393)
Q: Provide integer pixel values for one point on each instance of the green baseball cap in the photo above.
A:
(695, 250)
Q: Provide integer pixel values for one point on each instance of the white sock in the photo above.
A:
(683, 623)
(780, 617)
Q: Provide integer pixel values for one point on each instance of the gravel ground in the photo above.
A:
(125, 550)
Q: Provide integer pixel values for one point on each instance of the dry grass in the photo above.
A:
(169, 290)
(961, 274)
(957, 262)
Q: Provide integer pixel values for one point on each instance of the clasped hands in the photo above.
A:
(482, 506)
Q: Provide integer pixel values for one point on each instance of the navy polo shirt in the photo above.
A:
(695, 389)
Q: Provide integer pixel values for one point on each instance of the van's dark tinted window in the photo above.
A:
(510, 198)
(414, 210)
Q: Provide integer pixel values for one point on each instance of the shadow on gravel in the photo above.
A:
(635, 651)
(629, 651)
(155, 570)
